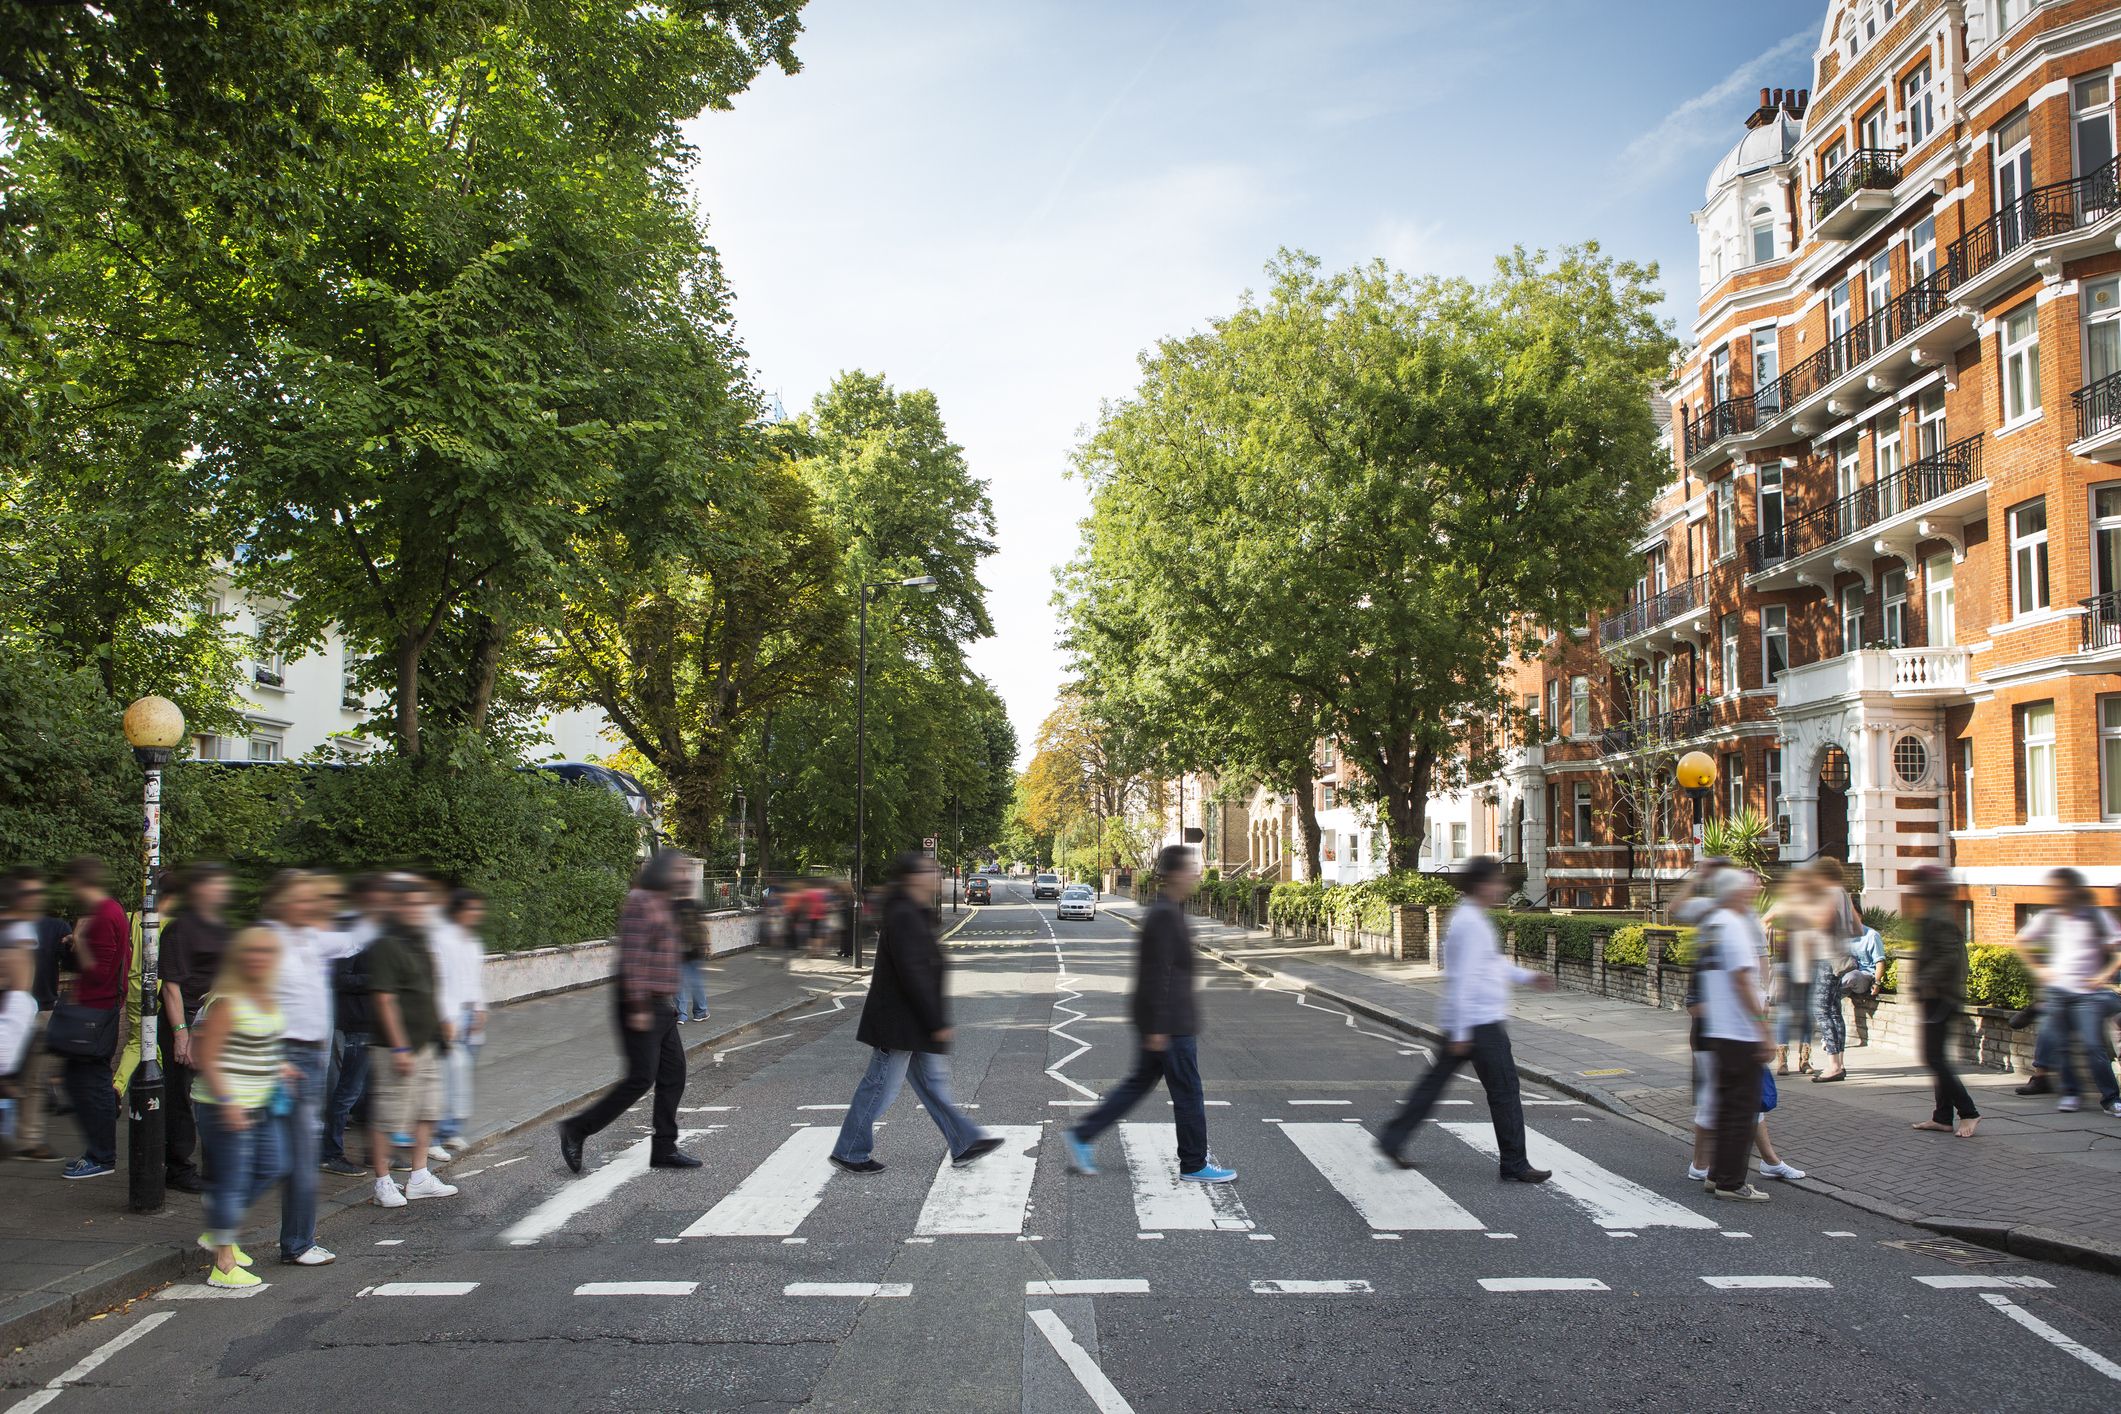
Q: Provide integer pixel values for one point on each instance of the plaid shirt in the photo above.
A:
(648, 948)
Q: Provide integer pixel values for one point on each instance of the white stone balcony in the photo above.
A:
(1926, 673)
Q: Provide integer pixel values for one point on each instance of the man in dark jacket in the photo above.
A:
(353, 1023)
(1169, 1022)
(906, 1019)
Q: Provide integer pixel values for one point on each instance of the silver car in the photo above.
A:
(1076, 901)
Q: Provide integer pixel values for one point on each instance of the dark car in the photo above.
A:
(1046, 886)
(979, 890)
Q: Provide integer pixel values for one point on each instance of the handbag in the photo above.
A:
(1768, 1094)
(82, 1032)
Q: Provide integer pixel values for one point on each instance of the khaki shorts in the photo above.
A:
(398, 1102)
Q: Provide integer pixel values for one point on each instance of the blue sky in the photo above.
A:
(1007, 200)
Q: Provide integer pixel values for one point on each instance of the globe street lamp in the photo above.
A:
(153, 727)
(1697, 775)
(925, 583)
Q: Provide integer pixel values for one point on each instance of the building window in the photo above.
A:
(1733, 784)
(1929, 425)
(1329, 847)
(1922, 250)
(1919, 104)
(1730, 655)
(268, 666)
(1830, 158)
(1942, 601)
(1773, 763)
(2008, 13)
(1554, 709)
(1767, 360)
(2028, 526)
(2110, 758)
(2106, 540)
(1583, 820)
(1895, 621)
(1892, 494)
(1878, 289)
(1852, 618)
(1837, 310)
(1325, 797)
(206, 746)
(2092, 123)
(1774, 642)
(1768, 504)
(1963, 786)
(1458, 839)
(1720, 375)
(2036, 761)
(264, 746)
(2021, 363)
(1911, 760)
(1763, 233)
(1325, 756)
(2100, 304)
(1726, 520)
(1848, 480)
(1579, 707)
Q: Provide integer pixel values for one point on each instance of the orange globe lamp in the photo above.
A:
(1696, 771)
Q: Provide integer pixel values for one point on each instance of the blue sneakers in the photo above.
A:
(86, 1168)
(1082, 1158)
(1210, 1172)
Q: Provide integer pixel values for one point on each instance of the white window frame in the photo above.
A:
(2031, 584)
(1553, 723)
(1918, 101)
(1729, 633)
(1878, 285)
(2106, 531)
(1579, 708)
(2036, 758)
(1583, 816)
(2109, 725)
(1726, 519)
(1922, 250)
(2099, 313)
(2099, 110)
(1893, 619)
(2018, 357)
(1849, 606)
(1838, 309)
(1772, 768)
(1940, 600)
(1734, 783)
(1720, 375)
(1930, 429)
(1768, 507)
(1767, 365)
(1774, 633)
(1885, 440)
(1758, 225)
(273, 746)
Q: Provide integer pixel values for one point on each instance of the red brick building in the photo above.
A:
(1884, 585)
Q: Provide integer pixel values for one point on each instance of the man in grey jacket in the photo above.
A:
(1168, 1019)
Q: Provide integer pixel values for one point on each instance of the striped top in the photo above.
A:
(250, 1057)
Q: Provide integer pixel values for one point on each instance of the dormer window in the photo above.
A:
(1762, 227)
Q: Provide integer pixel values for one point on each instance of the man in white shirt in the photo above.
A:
(1734, 1023)
(294, 908)
(2074, 950)
(1476, 1003)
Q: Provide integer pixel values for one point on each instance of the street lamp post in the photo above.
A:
(153, 728)
(925, 583)
(1696, 773)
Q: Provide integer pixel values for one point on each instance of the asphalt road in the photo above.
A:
(1319, 1281)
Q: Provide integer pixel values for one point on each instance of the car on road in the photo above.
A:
(979, 889)
(1076, 901)
(1046, 886)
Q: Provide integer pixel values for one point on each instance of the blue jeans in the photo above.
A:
(1826, 1009)
(1178, 1066)
(458, 1065)
(930, 1075)
(349, 1078)
(95, 1100)
(2082, 1015)
(302, 1132)
(240, 1163)
(692, 991)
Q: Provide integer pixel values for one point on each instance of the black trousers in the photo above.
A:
(1737, 1109)
(180, 1132)
(1950, 1091)
(654, 1057)
(1497, 1069)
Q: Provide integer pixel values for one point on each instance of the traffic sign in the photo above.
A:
(928, 843)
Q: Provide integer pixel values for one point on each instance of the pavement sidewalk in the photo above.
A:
(2033, 1181)
(70, 1250)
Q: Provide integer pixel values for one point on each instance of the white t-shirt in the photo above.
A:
(2076, 944)
(1735, 938)
(18, 1015)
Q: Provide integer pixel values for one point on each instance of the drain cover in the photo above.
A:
(1961, 1254)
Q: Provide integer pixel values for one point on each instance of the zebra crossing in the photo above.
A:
(793, 1184)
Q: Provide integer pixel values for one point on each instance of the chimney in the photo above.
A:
(1797, 100)
(1764, 114)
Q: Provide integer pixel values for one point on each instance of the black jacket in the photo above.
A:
(1163, 974)
(908, 1001)
(353, 1009)
(1940, 960)
(52, 934)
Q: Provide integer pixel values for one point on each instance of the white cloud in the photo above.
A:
(1699, 123)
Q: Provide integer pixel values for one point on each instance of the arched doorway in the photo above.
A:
(1833, 833)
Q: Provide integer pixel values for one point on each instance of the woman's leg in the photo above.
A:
(930, 1075)
(878, 1088)
(2088, 1023)
(1764, 1145)
(1826, 1014)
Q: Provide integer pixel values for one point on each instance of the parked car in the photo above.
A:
(1076, 901)
(1046, 886)
(979, 889)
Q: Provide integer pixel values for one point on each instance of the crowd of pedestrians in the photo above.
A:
(274, 1038)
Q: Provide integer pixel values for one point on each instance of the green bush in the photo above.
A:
(1365, 907)
(68, 784)
(1572, 935)
(1628, 947)
(1997, 977)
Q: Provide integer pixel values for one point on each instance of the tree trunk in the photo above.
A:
(1300, 786)
(698, 803)
(407, 728)
(485, 670)
(1407, 809)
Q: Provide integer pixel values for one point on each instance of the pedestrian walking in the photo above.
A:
(353, 1023)
(29, 930)
(1940, 990)
(906, 1022)
(692, 959)
(2075, 951)
(85, 1025)
(1166, 1018)
(1473, 1019)
(239, 1089)
(647, 1016)
(407, 1100)
(18, 1020)
(1734, 1021)
(460, 958)
(1819, 925)
(1704, 1058)
(294, 908)
(188, 959)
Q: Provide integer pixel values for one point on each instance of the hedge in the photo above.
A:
(1365, 907)
(1572, 935)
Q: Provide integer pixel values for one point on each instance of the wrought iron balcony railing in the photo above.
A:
(2098, 406)
(1866, 169)
(1915, 484)
(1681, 598)
(2053, 210)
(2102, 621)
(1668, 726)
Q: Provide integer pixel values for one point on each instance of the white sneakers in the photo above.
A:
(424, 1184)
(1696, 1175)
(456, 1143)
(437, 1154)
(316, 1256)
(1785, 1172)
(388, 1194)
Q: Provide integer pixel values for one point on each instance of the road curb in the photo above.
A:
(2020, 1240)
(135, 1273)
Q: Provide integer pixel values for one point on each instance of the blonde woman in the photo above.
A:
(239, 1075)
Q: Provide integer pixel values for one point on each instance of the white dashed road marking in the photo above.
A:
(1125, 1286)
(637, 1288)
(1310, 1288)
(1103, 1396)
(1769, 1283)
(848, 1288)
(89, 1363)
(1543, 1284)
(2052, 1336)
(1975, 1283)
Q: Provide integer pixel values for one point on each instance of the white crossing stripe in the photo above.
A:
(1770, 1283)
(1310, 1288)
(989, 1196)
(1321, 1102)
(423, 1288)
(1390, 1198)
(1104, 1398)
(2051, 1335)
(88, 1364)
(1162, 1200)
(775, 1197)
(1124, 1286)
(577, 1198)
(1975, 1283)
(637, 1288)
(1610, 1199)
(203, 1292)
(848, 1288)
(1543, 1284)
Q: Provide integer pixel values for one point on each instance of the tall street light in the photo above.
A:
(153, 727)
(925, 583)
